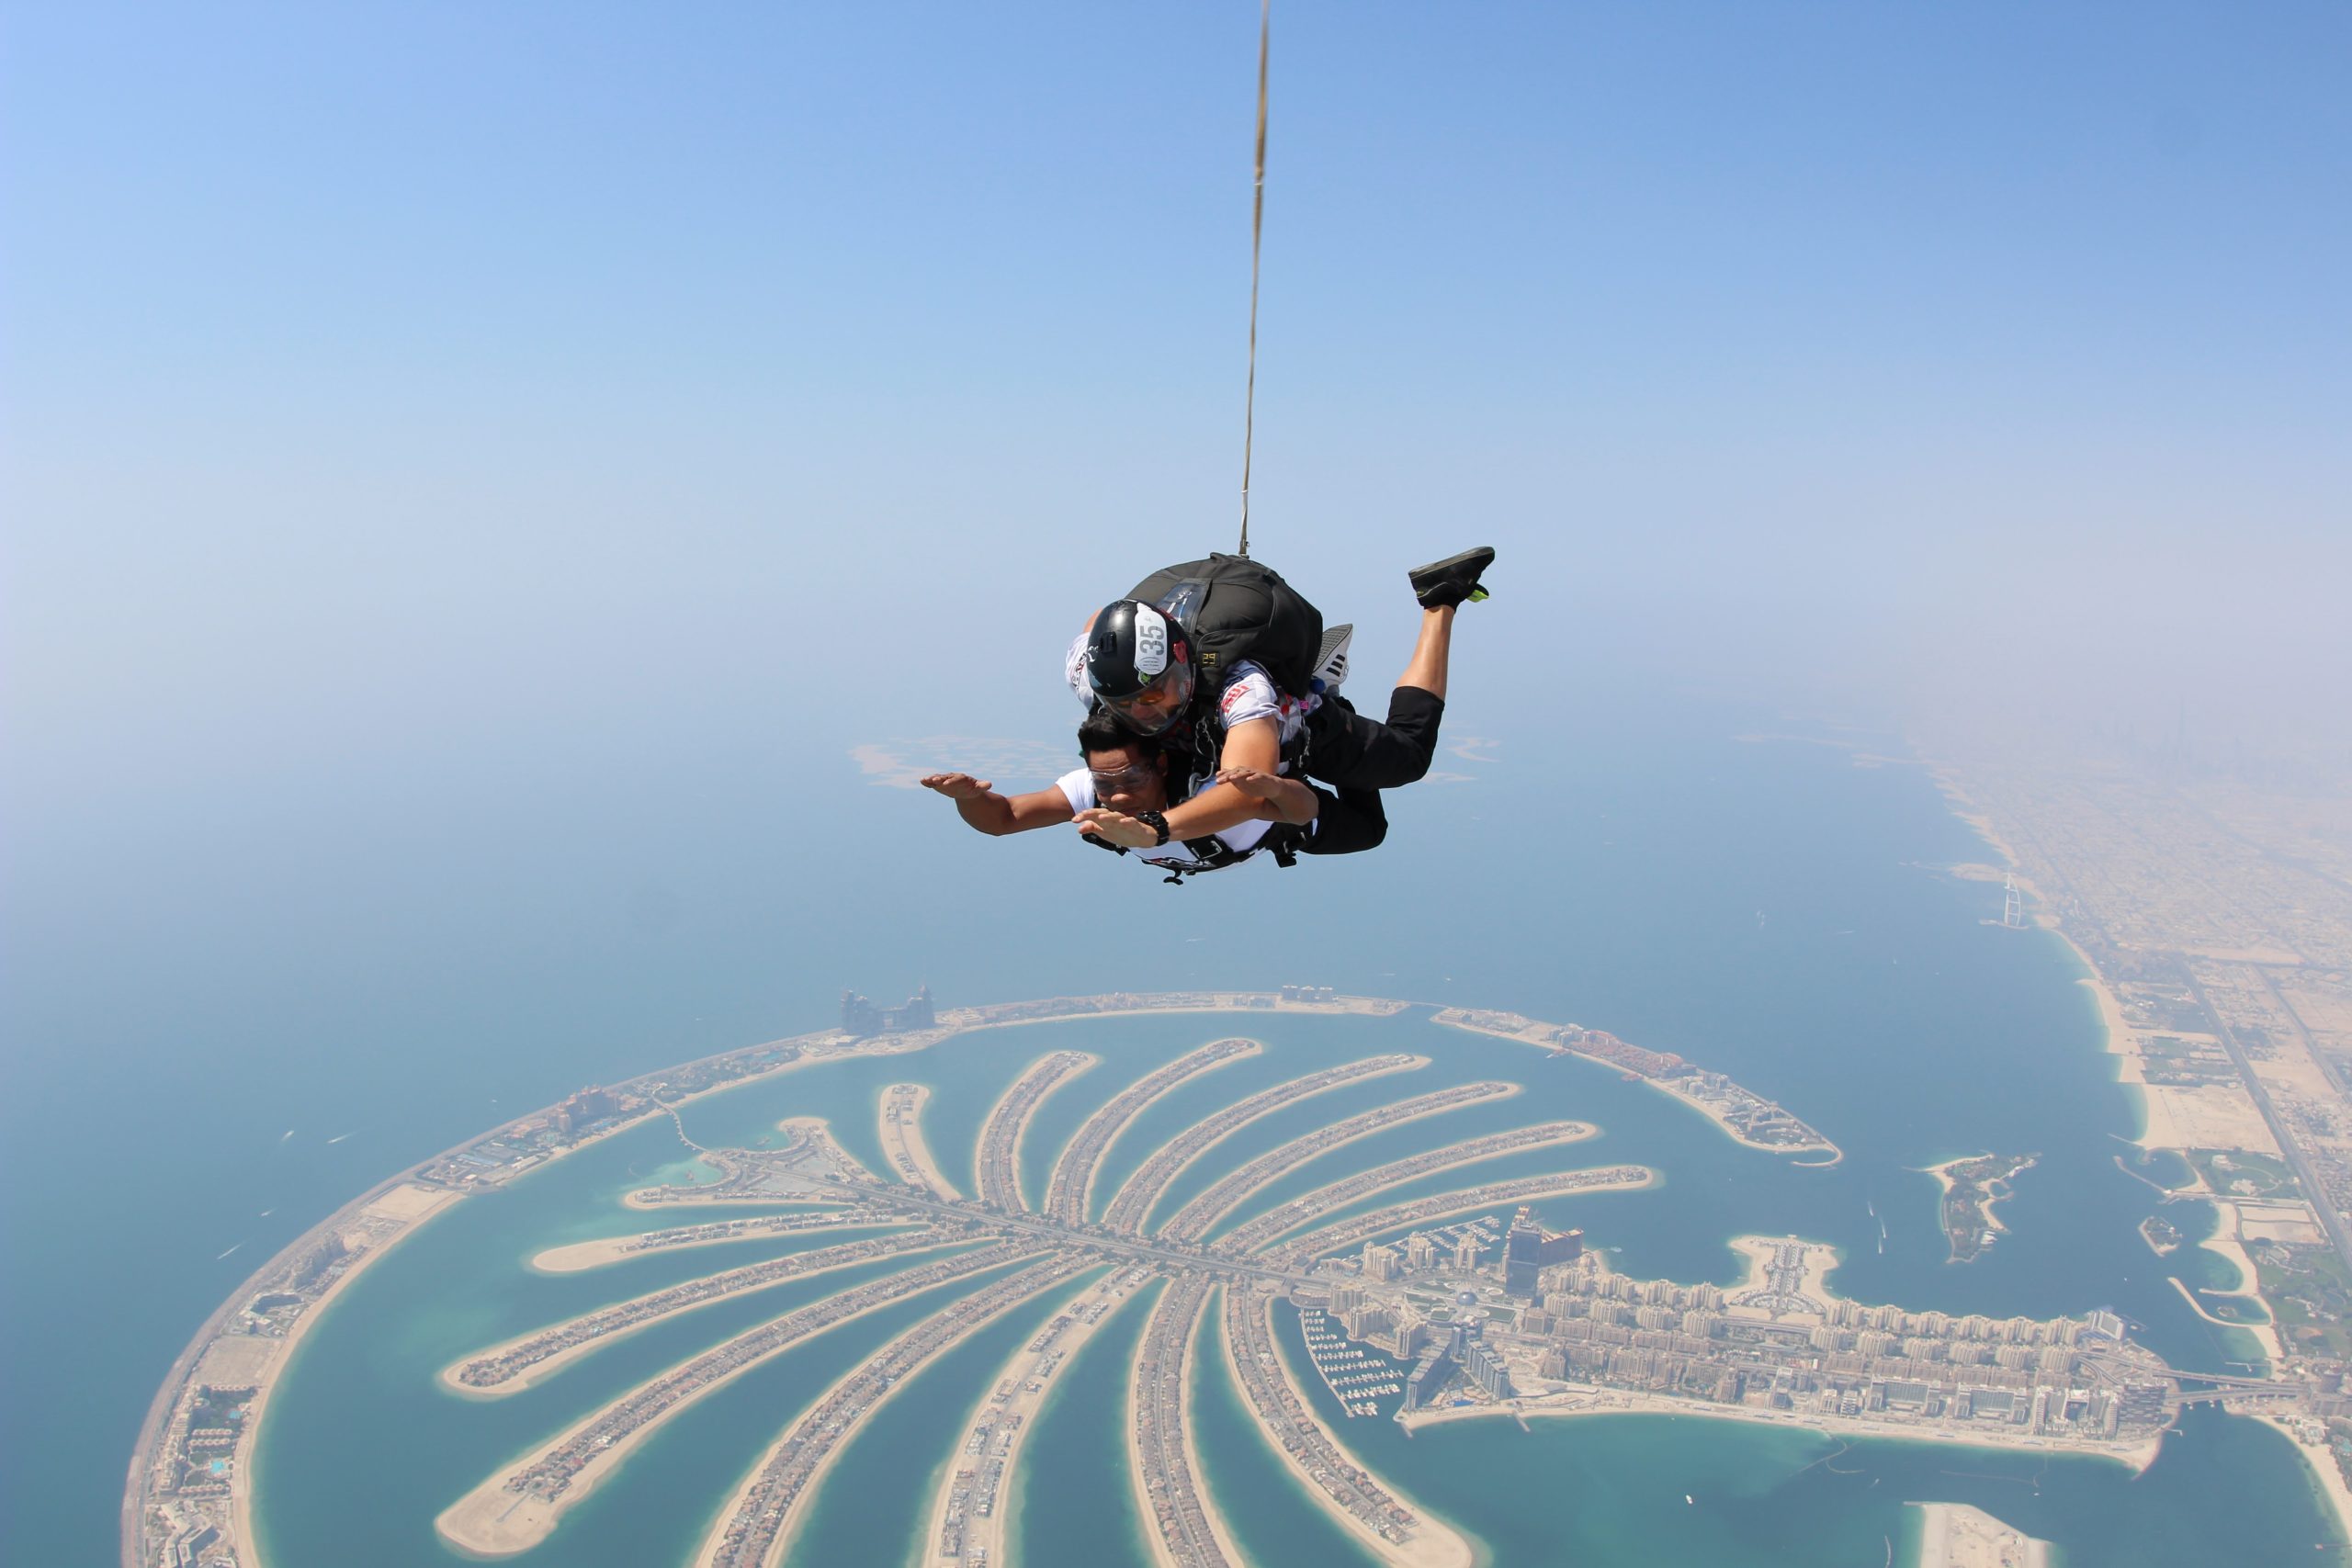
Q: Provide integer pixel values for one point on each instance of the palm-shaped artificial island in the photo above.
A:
(1423, 1287)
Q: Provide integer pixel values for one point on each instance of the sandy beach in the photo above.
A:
(1124, 1118)
(1570, 1132)
(578, 1256)
(1711, 1113)
(1198, 1218)
(1021, 1133)
(1580, 1400)
(490, 1521)
(1161, 1176)
(1471, 1201)
(1433, 1543)
(903, 1139)
(987, 1534)
(1219, 1526)
(2225, 1243)
(1219, 1530)
(2326, 1477)
(539, 1371)
(816, 1129)
(1953, 1535)
(839, 1437)
(1756, 1253)
(411, 1206)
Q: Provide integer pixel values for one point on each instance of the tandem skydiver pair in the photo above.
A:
(1216, 731)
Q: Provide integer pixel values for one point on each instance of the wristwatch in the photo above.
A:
(1156, 821)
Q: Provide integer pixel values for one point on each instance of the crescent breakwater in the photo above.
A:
(246, 1346)
(1743, 1115)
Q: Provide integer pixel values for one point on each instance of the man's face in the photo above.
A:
(1128, 780)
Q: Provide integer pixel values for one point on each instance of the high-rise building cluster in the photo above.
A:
(861, 1016)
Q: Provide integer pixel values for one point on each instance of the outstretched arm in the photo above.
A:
(977, 803)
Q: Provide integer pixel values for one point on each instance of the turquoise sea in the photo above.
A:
(1767, 907)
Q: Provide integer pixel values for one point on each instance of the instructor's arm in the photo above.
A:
(1256, 745)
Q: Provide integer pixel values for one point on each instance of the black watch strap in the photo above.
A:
(1156, 821)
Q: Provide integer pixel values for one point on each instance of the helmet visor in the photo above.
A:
(1160, 703)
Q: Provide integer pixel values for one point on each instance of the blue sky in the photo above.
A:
(363, 357)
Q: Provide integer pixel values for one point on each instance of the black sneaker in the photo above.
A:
(1454, 581)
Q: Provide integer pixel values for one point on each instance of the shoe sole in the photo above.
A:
(1424, 578)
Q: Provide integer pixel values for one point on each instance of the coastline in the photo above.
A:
(1118, 1129)
(1987, 1202)
(819, 1130)
(988, 1534)
(241, 1476)
(1209, 1221)
(1192, 1480)
(1472, 1199)
(1021, 1130)
(1194, 1368)
(1163, 1182)
(578, 1256)
(2326, 1478)
(1570, 1132)
(169, 1396)
(471, 1525)
(1581, 1400)
(1435, 1543)
(795, 1513)
(906, 1121)
(1722, 1121)
(540, 1370)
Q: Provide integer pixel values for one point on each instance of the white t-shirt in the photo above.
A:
(1247, 692)
(1078, 789)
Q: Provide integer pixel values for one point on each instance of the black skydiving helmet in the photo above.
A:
(1139, 663)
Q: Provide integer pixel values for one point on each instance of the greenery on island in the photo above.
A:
(2309, 1296)
(1977, 1185)
(219, 1407)
(2235, 1173)
(325, 1256)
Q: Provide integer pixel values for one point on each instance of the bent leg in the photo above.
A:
(1346, 823)
(1429, 651)
(1346, 749)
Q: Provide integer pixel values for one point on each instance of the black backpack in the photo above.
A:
(1237, 610)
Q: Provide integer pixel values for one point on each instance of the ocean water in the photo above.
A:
(1769, 908)
(463, 1283)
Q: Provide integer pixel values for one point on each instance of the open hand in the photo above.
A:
(1252, 782)
(957, 787)
(1117, 827)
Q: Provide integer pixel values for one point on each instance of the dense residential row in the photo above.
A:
(1066, 1193)
(512, 1362)
(551, 1473)
(999, 1159)
(1249, 1328)
(1133, 1202)
(1256, 1233)
(754, 1533)
(1194, 1220)
(1172, 1490)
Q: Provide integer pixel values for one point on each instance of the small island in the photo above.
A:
(1971, 1186)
